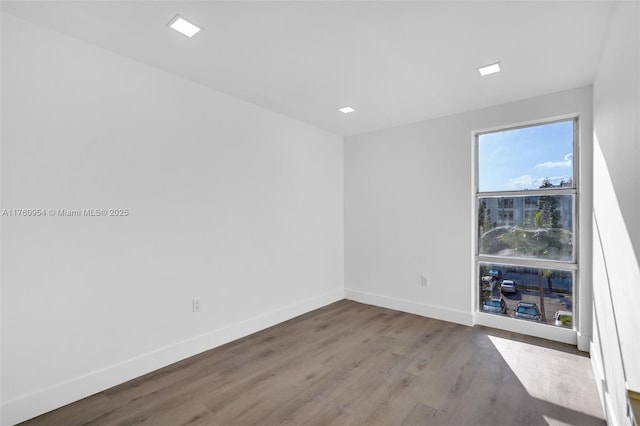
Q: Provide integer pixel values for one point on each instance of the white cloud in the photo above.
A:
(530, 182)
(522, 182)
(568, 162)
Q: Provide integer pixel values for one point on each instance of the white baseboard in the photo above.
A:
(430, 311)
(28, 406)
(584, 342)
(598, 375)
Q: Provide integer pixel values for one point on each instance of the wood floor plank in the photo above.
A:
(355, 364)
(419, 415)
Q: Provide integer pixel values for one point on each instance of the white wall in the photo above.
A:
(229, 203)
(616, 214)
(408, 209)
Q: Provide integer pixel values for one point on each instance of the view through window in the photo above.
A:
(526, 211)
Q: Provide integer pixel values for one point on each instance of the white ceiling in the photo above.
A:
(394, 62)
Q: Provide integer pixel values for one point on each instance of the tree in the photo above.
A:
(548, 208)
(548, 274)
(538, 218)
(484, 218)
(541, 291)
(546, 183)
(540, 242)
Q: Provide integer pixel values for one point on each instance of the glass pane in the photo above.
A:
(527, 158)
(539, 227)
(529, 294)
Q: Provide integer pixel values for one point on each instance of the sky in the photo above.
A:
(520, 159)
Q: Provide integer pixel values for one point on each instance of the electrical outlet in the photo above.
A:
(196, 305)
(424, 281)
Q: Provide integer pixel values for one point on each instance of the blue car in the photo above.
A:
(495, 306)
(528, 311)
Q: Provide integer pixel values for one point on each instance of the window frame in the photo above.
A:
(571, 266)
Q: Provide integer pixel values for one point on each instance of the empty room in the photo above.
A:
(320, 212)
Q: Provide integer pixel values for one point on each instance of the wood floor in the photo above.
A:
(355, 364)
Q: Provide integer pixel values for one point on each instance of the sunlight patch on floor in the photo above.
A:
(550, 375)
(555, 422)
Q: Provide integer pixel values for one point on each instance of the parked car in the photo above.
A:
(563, 318)
(528, 311)
(489, 283)
(508, 286)
(495, 306)
(496, 273)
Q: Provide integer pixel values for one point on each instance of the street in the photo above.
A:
(553, 301)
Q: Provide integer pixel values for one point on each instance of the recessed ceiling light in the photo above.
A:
(183, 26)
(346, 109)
(489, 69)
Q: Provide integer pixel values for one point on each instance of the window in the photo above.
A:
(526, 202)
(505, 203)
